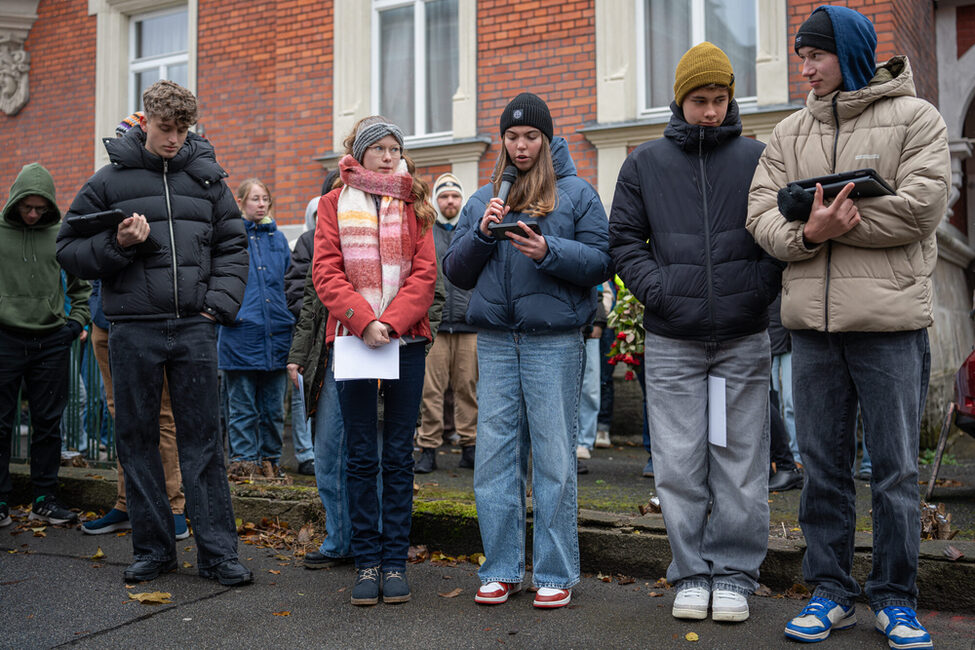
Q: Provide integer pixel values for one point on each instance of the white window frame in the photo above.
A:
(697, 36)
(160, 63)
(419, 134)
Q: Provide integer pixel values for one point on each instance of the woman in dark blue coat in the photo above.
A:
(531, 297)
(253, 353)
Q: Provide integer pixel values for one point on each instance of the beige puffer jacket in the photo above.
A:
(877, 276)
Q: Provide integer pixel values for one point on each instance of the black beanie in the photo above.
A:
(527, 109)
(817, 32)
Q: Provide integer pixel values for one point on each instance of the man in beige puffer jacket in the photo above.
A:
(857, 293)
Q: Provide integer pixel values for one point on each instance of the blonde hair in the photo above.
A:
(419, 193)
(534, 191)
(245, 188)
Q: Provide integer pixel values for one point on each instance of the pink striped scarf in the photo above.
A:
(376, 248)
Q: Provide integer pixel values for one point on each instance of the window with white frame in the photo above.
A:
(415, 64)
(158, 49)
(668, 28)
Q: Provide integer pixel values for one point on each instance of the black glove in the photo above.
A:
(795, 203)
(72, 330)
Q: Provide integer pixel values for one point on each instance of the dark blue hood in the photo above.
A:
(856, 45)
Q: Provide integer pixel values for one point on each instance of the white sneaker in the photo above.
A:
(602, 439)
(727, 605)
(583, 453)
(691, 602)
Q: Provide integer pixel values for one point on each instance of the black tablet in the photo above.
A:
(501, 230)
(868, 183)
(89, 224)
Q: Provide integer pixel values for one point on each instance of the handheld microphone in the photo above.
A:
(508, 177)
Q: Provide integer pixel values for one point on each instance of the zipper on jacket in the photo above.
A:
(172, 236)
(707, 227)
(829, 243)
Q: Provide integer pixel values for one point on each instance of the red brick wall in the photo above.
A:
(264, 80)
(55, 127)
(965, 28)
(903, 27)
(547, 47)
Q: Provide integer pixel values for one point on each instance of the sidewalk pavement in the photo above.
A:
(614, 537)
(52, 594)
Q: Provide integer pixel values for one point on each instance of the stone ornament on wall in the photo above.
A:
(14, 66)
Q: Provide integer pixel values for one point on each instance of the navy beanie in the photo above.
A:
(855, 43)
(527, 109)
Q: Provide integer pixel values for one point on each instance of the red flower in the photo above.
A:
(621, 336)
(629, 376)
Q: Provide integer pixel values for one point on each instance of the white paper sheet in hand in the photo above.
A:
(356, 360)
(717, 419)
(301, 401)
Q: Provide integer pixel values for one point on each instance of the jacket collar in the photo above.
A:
(196, 157)
(690, 137)
(893, 78)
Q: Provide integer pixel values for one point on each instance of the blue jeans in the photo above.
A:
(386, 544)
(186, 350)
(300, 431)
(589, 399)
(782, 383)
(722, 549)
(888, 373)
(528, 395)
(331, 458)
(256, 413)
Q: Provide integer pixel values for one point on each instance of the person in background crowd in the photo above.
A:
(253, 351)
(589, 397)
(375, 269)
(532, 295)
(604, 420)
(452, 361)
(787, 475)
(781, 340)
(857, 296)
(706, 287)
(35, 336)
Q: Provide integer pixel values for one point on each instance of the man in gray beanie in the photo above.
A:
(452, 361)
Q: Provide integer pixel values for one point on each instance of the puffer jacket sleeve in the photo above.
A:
(229, 261)
(309, 320)
(629, 235)
(96, 256)
(780, 238)
(923, 179)
(468, 251)
(584, 261)
(294, 277)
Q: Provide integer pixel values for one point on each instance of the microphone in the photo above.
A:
(508, 177)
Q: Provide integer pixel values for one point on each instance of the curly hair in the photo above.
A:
(168, 100)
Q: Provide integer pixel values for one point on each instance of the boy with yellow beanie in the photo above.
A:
(677, 235)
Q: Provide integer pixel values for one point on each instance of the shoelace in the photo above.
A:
(390, 575)
(817, 606)
(372, 573)
(902, 616)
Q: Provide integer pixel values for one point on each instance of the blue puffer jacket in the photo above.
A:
(677, 233)
(513, 292)
(260, 337)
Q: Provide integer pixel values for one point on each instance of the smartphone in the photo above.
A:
(501, 230)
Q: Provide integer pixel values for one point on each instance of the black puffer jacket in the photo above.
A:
(202, 263)
(294, 277)
(454, 319)
(677, 233)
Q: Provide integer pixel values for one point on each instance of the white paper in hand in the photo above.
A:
(356, 360)
(717, 418)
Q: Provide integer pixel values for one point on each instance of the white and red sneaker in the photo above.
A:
(495, 593)
(548, 598)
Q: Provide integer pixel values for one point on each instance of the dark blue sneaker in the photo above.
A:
(901, 627)
(817, 619)
(179, 525)
(365, 591)
(113, 520)
(395, 587)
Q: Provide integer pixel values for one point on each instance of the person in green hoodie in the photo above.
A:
(35, 336)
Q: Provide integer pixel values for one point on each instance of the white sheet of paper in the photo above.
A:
(356, 360)
(717, 416)
(301, 392)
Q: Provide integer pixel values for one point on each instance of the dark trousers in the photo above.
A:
(605, 417)
(41, 364)
(779, 451)
(186, 350)
(389, 545)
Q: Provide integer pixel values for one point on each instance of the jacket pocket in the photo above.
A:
(900, 266)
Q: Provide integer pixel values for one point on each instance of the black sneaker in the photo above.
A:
(427, 462)
(49, 510)
(307, 467)
(144, 570)
(318, 560)
(581, 467)
(467, 458)
(395, 587)
(4, 514)
(228, 573)
(365, 591)
(786, 479)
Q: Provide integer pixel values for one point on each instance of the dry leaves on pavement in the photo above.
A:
(153, 597)
(452, 594)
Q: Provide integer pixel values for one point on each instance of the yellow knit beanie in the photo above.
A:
(701, 65)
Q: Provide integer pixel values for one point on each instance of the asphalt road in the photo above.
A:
(52, 593)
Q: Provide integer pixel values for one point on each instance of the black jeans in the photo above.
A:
(41, 363)
(186, 350)
(779, 451)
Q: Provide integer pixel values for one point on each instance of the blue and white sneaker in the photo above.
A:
(901, 627)
(179, 524)
(817, 619)
(113, 520)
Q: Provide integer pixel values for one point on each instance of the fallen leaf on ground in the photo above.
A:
(122, 533)
(655, 594)
(797, 592)
(763, 591)
(152, 597)
(624, 580)
(187, 565)
(285, 613)
(452, 594)
(600, 576)
(417, 554)
(953, 553)
(691, 636)
(274, 571)
(99, 554)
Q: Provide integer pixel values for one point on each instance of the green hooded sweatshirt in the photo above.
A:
(31, 291)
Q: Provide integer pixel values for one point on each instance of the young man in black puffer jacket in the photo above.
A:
(170, 271)
(677, 235)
